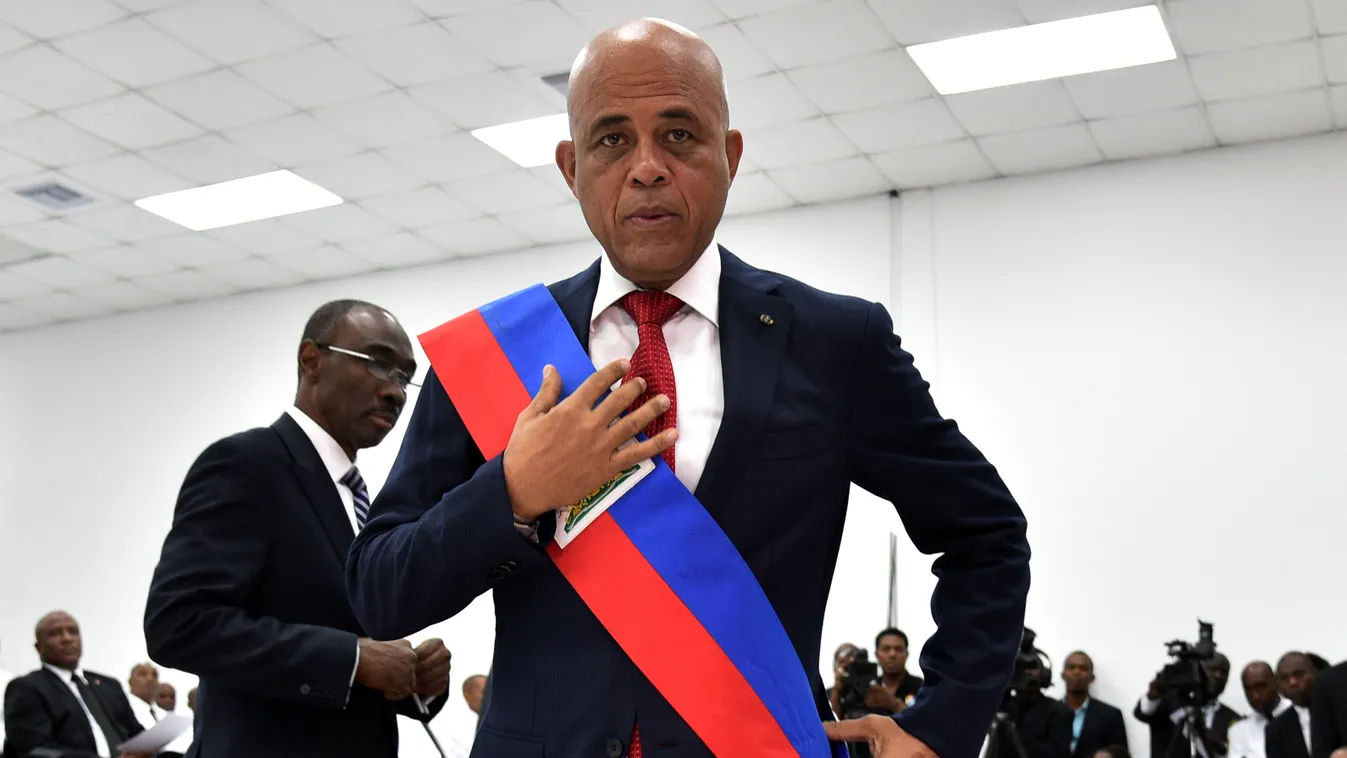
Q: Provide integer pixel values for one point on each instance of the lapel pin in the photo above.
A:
(766, 319)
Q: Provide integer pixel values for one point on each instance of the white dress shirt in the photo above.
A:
(693, 337)
(100, 739)
(145, 713)
(1247, 734)
(1304, 715)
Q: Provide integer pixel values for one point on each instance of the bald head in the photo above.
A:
(58, 641)
(1260, 687)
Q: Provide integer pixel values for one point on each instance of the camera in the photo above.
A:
(1184, 680)
(860, 674)
(1031, 665)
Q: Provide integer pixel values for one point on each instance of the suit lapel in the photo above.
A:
(575, 297)
(318, 486)
(753, 326)
(62, 693)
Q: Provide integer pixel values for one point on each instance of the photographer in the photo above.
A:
(883, 688)
(1043, 724)
(1164, 713)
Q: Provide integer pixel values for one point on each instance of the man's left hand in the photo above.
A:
(432, 668)
(879, 697)
(885, 737)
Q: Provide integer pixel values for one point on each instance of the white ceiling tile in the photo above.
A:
(1013, 109)
(339, 18)
(149, 6)
(472, 102)
(122, 296)
(833, 180)
(1338, 96)
(916, 21)
(797, 144)
(879, 130)
(476, 237)
(63, 305)
(14, 317)
(1330, 16)
(128, 177)
(806, 35)
(52, 142)
(325, 262)
(756, 193)
(43, 77)
(57, 18)
(359, 176)
(13, 287)
(1263, 71)
(602, 14)
(447, 159)
(1335, 59)
(1144, 134)
(519, 34)
(293, 140)
(187, 285)
(313, 76)
(232, 31)
(550, 225)
(266, 237)
(1122, 92)
(551, 176)
(58, 236)
(1205, 26)
(124, 261)
(191, 250)
(415, 54)
(131, 121)
(125, 223)
(504, 193)
(1272, 117)
(340, 223)
(59, 272)
(739, 58)
(208, 160)
(737, 9)
(157, 57)
(219, 100)
(419, 208)
(767, 100)
(1038, 150)
(404, 249)
(17, 210)
(12, 165)
(12, 39)
(1042, 11)
(857, 83)
(950, 163)
(253, 274)
(392, 118)
(13, 110)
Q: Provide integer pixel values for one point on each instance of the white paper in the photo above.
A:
(168, 728)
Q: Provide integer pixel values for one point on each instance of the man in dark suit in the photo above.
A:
(1328, 713)
(61, 710)
(1094, 723)
(1163, 715)
(782, 396)
(1042, 724)
(1289, 734)
(249, 595)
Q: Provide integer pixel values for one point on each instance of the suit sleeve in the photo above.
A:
(952, 502)
(196, 616)
(28, 724)
(1325, 736)
(441, 530)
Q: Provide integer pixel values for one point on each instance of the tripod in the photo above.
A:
(1004, 734)
(1192, 728)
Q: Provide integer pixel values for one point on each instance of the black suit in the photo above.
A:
(1328, 711)
(249, 596)
(43, 717)
(1044, 726)
(1284, 737)
(1103, 727)
(1163, 729)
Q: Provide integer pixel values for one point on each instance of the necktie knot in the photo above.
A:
(651, 306)
(352, 479)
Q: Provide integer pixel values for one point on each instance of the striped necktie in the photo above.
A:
(359, 495)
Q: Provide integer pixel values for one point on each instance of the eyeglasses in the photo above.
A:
(382, 370)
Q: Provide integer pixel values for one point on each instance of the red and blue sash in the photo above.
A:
(655, 568)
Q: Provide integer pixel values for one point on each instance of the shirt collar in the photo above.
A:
(329, 450)
(65, 674)
(699, 288)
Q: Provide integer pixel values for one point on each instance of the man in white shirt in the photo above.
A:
(1166, 719)
(1289, 734)
(1260, 689)
(144, 687)
(464, 717)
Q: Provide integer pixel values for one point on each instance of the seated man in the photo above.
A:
(1095, 725)
(1260, 689)
(62, 710)
(1289, 735)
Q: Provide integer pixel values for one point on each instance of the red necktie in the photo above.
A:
(651, 309)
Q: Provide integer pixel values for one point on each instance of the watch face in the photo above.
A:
(908, 700)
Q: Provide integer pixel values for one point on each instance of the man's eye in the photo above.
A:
(680, 135)
(611, 140)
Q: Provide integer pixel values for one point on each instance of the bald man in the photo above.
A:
(762, 401)
(1260, 689)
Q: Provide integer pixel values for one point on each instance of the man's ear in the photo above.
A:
(734, 150)
(566, 162)
(310, 359)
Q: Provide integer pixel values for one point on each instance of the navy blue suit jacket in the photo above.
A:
(821, 398)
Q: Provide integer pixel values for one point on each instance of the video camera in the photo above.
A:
(1031, 664)
(860, 674)
(1185, 679)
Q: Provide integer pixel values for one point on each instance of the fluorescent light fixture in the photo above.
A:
(529, 143)
(1132, 37)
(239, 201)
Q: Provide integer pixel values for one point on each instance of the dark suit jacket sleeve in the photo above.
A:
(953, 502)
(1325, 736)
(196, 618)
(28, 725)
(1161, 714)
(441, 530)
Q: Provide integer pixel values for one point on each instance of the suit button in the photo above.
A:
(304, 689)
(614, 748)
(496, 573)
(511, 565)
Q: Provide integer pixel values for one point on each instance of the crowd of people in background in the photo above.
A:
(1299, 708)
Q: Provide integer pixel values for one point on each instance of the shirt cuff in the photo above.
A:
(528, 529)
(1148, 706)
(350, 686)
